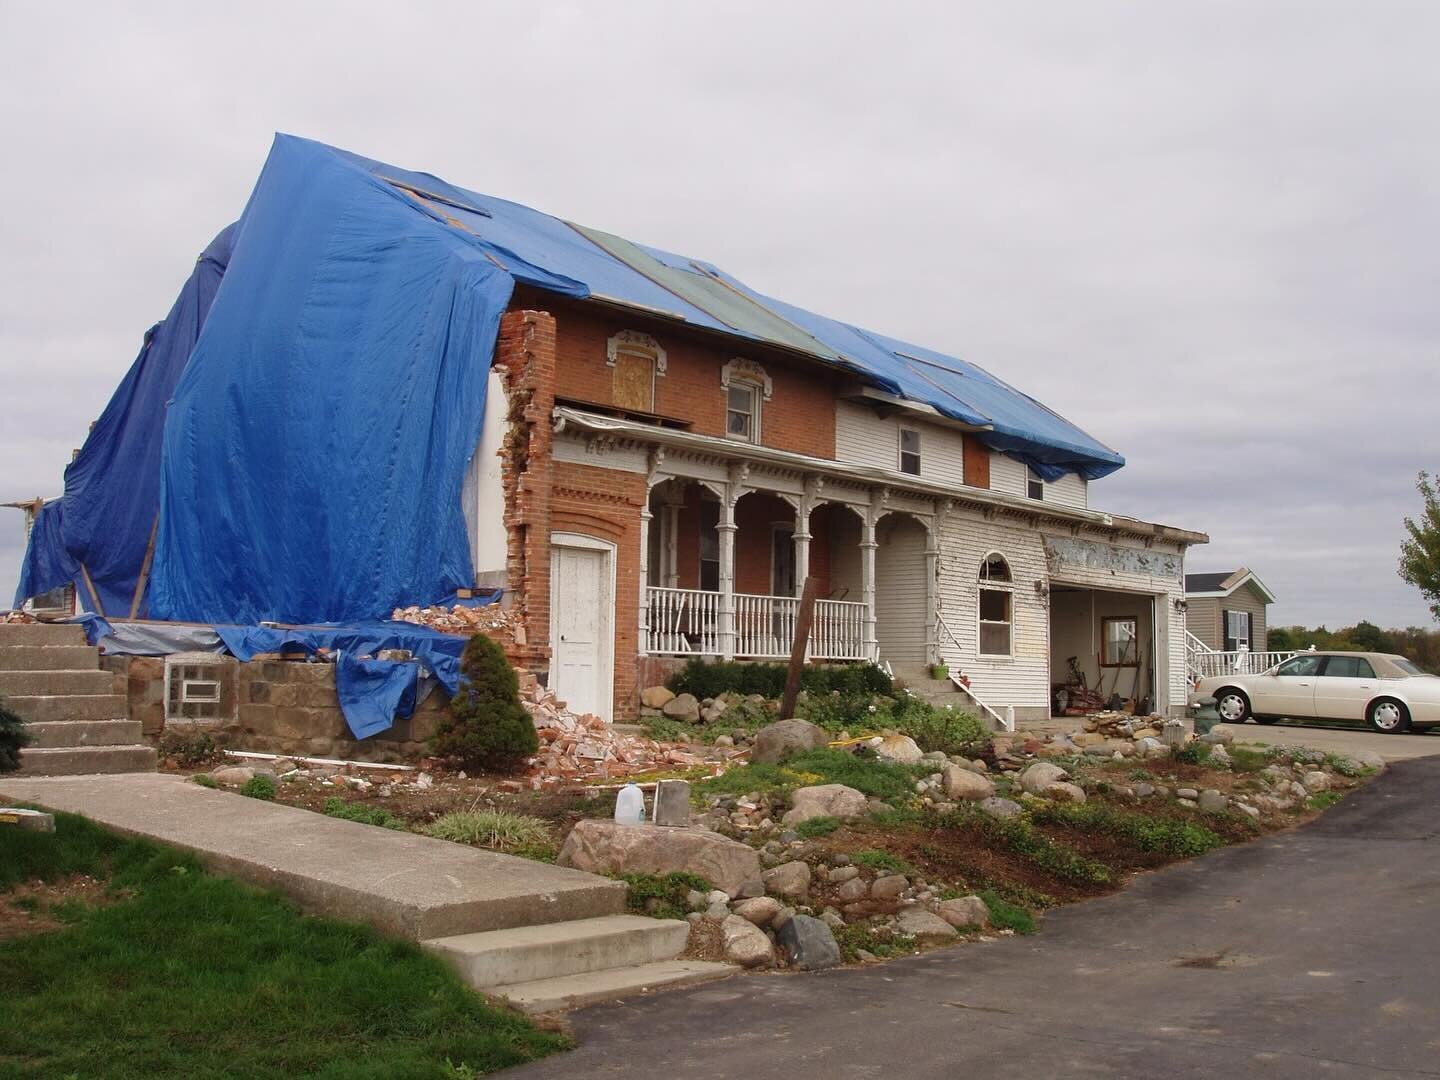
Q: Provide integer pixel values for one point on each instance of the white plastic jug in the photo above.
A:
(630, 806)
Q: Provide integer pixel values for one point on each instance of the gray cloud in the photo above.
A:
(1203, 231)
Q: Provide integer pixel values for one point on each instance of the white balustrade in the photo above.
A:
(683, 621)
(838, 632)
(687, 622)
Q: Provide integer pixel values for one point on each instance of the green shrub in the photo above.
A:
(1192, 753)
(669, 891)
(881, 861)
(1021, 837)
(189, 749)
(13, 737)
(868, 775)
(1007, 916)
(1323, 800)
(259, 787)
(878, 941)
(515, 834)
(1347, 766)
(817, 826)
(204, 780)
(707, 679)
(1176, 839)
(948, 730)
(486, 725)
(1243, 760)
(366, 815)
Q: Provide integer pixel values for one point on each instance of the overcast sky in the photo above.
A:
(1209, 233)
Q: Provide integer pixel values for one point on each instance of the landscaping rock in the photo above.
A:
(760, 910)
(1144, 791)
(1367, 759)
(790, 880)
(889, 887)
(826, 800)
(1218, 737)
(998, 807)
(233, 774)
(1316, 781)
(809, 943)
(961, 783)
(924, 927)
(778, 741)
(784, 915)
(1187, 793)
(1219, 757)
(745, 943)
(852, 890)
(751, 889)
(966, 911)
(898, 748)
(1149, 746)
(1213, 802)
(1064, 792)
(656, 697)
(1041, 775)
(604, 847)
(832, 918)
(683, 707)
(842, 874)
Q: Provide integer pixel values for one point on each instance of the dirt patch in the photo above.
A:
(706, 941)
(38, 907)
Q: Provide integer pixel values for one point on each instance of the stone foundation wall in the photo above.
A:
(277, 707)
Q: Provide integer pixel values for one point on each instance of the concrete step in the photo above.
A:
(572, 991)
(49, 658)
(55, 734)
(85, 760)
(41, 634)
(43, 708)
(531, 953)
(28, 683)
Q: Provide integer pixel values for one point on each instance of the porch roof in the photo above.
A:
(718, 446)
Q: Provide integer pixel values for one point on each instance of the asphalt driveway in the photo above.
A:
(1311, 953)
(1340, 738)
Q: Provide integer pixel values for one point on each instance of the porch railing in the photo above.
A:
(838, 632)
(686, 622)
(764, 625)
(1206, 664)
(682, 622)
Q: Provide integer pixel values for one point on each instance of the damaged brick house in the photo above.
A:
(663, 457)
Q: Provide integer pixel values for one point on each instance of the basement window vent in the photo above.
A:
(193, 688)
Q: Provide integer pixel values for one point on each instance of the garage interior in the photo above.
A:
(1111, 637)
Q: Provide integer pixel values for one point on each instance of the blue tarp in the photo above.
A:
(47, 565)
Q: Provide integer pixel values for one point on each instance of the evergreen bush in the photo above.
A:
(13, 736)
(486, 725)
(708, 679)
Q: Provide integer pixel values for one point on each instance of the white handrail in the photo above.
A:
(1003, 723)
(686, 622)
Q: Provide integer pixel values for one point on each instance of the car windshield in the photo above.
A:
(1406, 666)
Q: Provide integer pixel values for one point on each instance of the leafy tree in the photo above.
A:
(12, 737)
(486, 724)
(1420, 554)
(1370, 638)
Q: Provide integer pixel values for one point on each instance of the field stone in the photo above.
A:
(604, 847)
(1041, 775)
(1213, 802)
(924, 927)
(233, 774)
(790, 880)
(745, 943)
(898, 748)
(852, 890)
(682, 707)
(809, 943)
(825, 800)
(1316, 781)
(889, 886)
(751, 889)
(998, 807)
(760, 910)
(966, 911)
(961, 783)
(775, 742)
(1063, 792)
(1187, 793)
(842, 874)
(656, 697)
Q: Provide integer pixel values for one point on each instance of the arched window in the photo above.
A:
(997, 607)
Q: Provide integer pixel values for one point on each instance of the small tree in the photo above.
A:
(12, 737)
(1420, 554)
(486, 724)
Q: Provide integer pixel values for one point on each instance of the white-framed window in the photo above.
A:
(742, 412)
(194, 687)
(1034, 484)
(1237, 629)
(1119, 641)
(910, 451)
(996, 608)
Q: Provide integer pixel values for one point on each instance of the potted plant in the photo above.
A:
(939, 672)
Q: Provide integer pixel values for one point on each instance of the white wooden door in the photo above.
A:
(579, 588)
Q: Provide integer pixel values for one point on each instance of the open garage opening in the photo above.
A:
(1103, 650)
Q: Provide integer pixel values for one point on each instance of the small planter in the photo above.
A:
(939, 672)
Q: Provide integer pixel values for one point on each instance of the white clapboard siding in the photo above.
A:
(1009, 475)
(1023, 679)
(863, 438)
(900, 622)
(1070, 490)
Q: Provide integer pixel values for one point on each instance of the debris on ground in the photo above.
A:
(490, 619)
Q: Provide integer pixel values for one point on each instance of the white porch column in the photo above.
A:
(868, 546)
(645, 516)
(670, 542)
(726, 530)
(932, 591)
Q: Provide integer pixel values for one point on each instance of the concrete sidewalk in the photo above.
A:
(404, 884)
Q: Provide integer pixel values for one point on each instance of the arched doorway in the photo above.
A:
(902, 615)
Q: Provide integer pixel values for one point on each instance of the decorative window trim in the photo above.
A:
(634, 343)
(752, 392)
(738, 369)
(984, 575)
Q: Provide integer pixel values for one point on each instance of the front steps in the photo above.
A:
(52, 679)
(563, 965)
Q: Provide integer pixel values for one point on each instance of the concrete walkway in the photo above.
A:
(404, 884)
(1309, 953)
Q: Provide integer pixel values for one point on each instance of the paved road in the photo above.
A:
(1341, 739)
(1311, 953)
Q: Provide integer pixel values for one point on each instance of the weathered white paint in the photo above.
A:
(1010, 476)
(578, 450)
(483, 495)
(901, 624)
(582, 635)
(864, 438)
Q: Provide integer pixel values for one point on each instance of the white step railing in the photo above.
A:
(1004, 722)
(1205, 665)
(682, 622)
(838, 632)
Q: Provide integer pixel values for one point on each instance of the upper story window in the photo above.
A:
(997, 607)
(910, 451)
(637, 360)
(746, 387)
(1034, 484)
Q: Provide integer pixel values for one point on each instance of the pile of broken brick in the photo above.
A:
(459, 619)
(17, 617)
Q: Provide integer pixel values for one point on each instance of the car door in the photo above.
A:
(1344, 687)
(1289, 690)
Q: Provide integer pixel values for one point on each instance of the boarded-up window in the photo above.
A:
(637, 359)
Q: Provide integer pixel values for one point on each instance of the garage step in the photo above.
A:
(85, 760)
(572, 991)
(530, 953)
(41, 634)
(27, 683)
(56, 734)
(49, 658)
(42, 708)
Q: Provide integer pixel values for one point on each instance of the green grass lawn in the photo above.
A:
(191, 975)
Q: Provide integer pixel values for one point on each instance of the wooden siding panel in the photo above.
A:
(1009, 475)
(900, 622)
(1202, 618)
(863, 438)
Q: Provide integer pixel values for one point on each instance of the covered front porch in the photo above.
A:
(724, 562)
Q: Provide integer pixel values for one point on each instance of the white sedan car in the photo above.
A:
(1388, 692)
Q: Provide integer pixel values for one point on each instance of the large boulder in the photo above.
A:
(790, 880)
(774, 743)
(745, 943)
(809, 943)
(966, 911)
(604, 847)
(898, 748)
(998, 807)
(656, 697)
(825, 800)
(964, 784)
(1061, 791)
(1041, 775)
(682, 707)
(924, 927)
(760, 910)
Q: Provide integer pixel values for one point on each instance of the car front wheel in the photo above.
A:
(1232, 705)
(1388, 716)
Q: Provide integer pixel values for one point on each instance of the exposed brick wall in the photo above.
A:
(756, 516)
